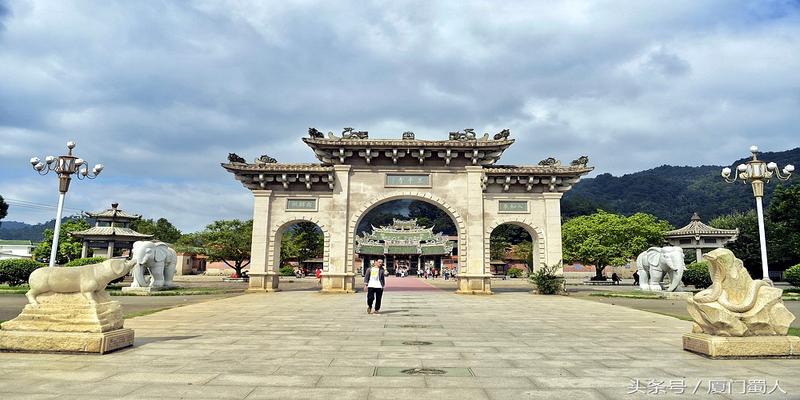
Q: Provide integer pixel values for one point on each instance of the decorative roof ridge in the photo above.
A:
(410, 143)
(277, 167)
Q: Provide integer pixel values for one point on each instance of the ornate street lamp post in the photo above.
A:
(64, 166)
(757, 172)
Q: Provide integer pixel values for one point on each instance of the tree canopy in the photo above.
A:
(782, 226)
(302, 241)
(161, 229)
(3, 208)
(69, 247)
(604, 238)
(225, 240)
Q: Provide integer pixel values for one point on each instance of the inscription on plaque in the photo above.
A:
(513, 206)
(423, 180)
(301, 205)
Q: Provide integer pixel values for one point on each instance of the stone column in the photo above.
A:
(698, 254)
(85, 249)
(338, 277)
(110, 252)
(552, 228)
(263, 277)
(473, 278)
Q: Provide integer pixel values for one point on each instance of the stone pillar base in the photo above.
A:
(474, 284)
(263, 282)
(742, 347)
(145, 291)
(338, 283)
(80, 342)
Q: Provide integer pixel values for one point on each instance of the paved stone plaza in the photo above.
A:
(299, 345)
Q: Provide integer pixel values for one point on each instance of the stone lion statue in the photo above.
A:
(735, 304)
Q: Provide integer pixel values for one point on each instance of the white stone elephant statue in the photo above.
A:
(656, 262)
(158, 258)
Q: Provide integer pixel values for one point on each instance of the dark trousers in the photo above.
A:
(374, 294)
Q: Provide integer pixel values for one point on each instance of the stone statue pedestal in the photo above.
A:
(144, 291)
(67, 322)
(742, 347)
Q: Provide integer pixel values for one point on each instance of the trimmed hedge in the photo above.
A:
(792, 275)
(515, 273)
(85, 261)
(696, 274)
(17, 271)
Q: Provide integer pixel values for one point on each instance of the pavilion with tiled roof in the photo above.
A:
(111, 231)
(699, 236)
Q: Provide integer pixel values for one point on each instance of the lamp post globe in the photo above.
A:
(64, 167)
(757, 173)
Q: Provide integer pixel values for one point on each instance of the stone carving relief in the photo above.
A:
(234, 158)
(735, 304)
(265, 159)
(549, 162)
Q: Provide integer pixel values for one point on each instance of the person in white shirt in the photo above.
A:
(374, 282)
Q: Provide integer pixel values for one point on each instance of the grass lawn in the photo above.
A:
(628, 295)
(117, 291)
(6, 289)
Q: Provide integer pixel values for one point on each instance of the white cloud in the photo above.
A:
(161, 92)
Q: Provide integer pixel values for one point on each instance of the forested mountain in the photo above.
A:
(670, 192)
(13, 230)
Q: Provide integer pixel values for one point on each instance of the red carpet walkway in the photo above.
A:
(407, 284)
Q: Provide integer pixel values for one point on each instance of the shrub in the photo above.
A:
(286, 270)
(515, 273)
(792, 275)
(547, 279)
(16, 271)
(85, 261)
(697, 274)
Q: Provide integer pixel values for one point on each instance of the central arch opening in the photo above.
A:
(415, 238)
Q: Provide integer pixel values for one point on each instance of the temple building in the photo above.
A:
(405, 244)
(111, 233)
(698, 236)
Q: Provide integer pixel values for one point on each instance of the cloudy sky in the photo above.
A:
(161, 91)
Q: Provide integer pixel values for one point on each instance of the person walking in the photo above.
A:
(374, 283)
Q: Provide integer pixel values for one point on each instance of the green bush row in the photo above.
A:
(85, 261)
(792, 275)
(697, 274)
(16, 271)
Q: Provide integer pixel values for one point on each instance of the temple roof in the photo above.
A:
(114, 213)
(355, 148)
(696, 228)
(110, 232)
(403, 237)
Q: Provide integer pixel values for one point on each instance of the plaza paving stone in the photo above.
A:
(307, 345)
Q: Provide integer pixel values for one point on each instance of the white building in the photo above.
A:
(15, 249)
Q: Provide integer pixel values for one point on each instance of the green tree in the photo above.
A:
(604, 239)
(69, 247)
(225, 240)
(302, 241)
(3, 208)
(746, 247)
(783, 227)
(161, 229)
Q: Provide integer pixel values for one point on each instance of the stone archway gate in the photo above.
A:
(355, 174)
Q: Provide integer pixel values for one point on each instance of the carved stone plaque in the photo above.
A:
(301, 204)
(408, 180)
(513, 206)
